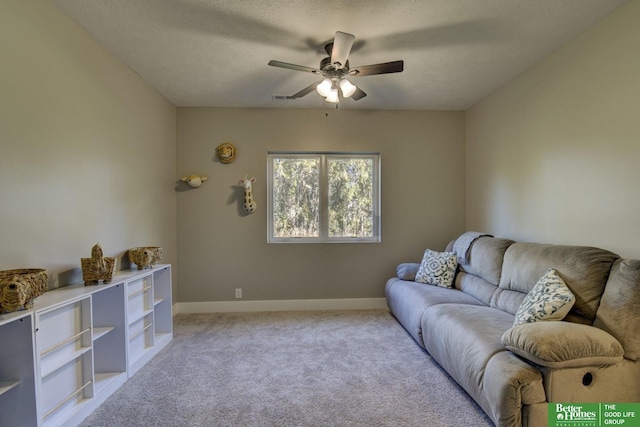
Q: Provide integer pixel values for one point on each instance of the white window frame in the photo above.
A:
(324, 197)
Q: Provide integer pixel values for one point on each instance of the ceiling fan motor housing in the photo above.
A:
(330, 71)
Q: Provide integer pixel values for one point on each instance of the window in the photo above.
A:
(323, 197)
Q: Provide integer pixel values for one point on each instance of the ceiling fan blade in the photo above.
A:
(307, 90)
(342, 44)
(358, 94)
(294, 67)
(384, 68)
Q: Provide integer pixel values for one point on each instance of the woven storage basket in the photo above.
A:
(92, 276)
(29, 284)
(145, 256)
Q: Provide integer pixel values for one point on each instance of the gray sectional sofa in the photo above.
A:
(513, 372)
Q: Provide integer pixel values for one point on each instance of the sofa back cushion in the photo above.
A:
(475, 286)
(481, 275)
(485, 258)
(619, 311)
(584, 269)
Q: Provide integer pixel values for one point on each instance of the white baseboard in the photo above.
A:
(279, 305)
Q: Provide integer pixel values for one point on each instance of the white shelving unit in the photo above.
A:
(64, 351)
(79, 344)
(149, 318)
(17, 370)
(109, 345)
(162, 306)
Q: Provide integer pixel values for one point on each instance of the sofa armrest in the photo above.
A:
(407, 270)
(563, 344)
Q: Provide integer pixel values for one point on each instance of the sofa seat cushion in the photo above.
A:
(408, 300)
(466, 341)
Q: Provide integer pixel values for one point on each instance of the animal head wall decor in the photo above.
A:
(194, 181)
(226, 152)
(249, 204)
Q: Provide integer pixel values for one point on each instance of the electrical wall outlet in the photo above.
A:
(238, 292)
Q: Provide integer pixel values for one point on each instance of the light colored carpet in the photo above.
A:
(319, 368)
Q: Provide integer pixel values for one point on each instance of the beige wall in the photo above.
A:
(554, 156)
(87, 149)
(88, 154)
(422, 156)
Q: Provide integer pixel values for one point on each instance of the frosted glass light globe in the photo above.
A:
(347, 87)
(324, 87)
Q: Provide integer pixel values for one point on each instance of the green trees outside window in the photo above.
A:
(323, 197)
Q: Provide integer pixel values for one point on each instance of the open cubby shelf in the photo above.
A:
(79, 344)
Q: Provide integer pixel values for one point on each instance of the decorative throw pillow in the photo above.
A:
(437, 268)
(550, 299)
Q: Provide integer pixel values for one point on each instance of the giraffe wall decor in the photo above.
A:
(249, 204)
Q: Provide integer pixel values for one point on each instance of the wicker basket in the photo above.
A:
(145, 256)
(92, 276)
(19, 287)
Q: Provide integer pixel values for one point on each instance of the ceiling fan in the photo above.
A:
(335, 70)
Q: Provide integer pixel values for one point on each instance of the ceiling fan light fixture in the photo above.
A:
(347, 87)
(335, 69)
(332, 96)
(324, 87)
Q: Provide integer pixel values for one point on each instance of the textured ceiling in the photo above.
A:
(215, 52)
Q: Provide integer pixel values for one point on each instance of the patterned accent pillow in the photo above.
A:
(437, 268)
(550, 299)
